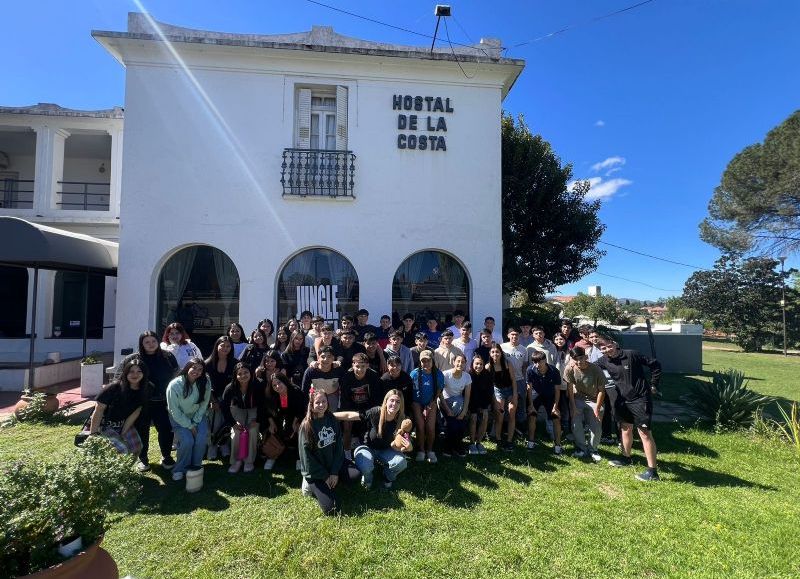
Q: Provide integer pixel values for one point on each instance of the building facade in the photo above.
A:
(267, 175)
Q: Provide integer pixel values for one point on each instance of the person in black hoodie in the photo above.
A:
(219, 367)
(161, 369)
(295, 358)
(239, 404)
(282, 411)
(322, 462)
(255, 350)
(634, 400)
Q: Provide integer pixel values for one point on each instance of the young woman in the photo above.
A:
(562, 360)
(255, 350)
(480, 400)
(283, 409)
(176, 341)
(282, 339)
(321, 448)
(240, 403)
(427, 382)
(270, 364)
(161, 367)
(238, 340)
(188, 396)
(268, 328)
(219, 367)
(295, 358)
(505, 396)
(381, 423)
(118, 406)
(292, 326)
(454, 404)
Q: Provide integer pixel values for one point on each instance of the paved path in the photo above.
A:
(68, 393)
(670, 411)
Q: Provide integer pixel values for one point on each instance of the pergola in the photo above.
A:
(30, 245)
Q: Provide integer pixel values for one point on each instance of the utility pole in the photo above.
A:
(783, 302)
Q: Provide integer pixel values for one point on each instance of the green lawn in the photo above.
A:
(728, 505)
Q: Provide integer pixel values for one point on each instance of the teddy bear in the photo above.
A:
(402, 439)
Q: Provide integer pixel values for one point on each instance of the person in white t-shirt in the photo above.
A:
(454, 404)
(458, 320)
(489, 324)
(517, 358)
(465, 342)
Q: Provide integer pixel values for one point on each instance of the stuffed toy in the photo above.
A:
(402, 438)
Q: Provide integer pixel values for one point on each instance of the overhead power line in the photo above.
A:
(638, 282)
(653, 256)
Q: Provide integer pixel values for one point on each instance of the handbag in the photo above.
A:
(272, 447)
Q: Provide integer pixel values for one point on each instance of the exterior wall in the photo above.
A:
(676, 352)
(202, 165)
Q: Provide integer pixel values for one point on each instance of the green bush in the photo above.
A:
(725, 401)
(43, 504)
(34, 411)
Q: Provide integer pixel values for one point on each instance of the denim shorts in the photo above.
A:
(501, 394)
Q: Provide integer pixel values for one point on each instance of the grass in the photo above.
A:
(728, 505)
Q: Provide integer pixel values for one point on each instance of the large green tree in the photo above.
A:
(756, 206)
(598, 308)
(740, 297)
(550, 232)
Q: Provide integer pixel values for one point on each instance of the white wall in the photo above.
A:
(202, 165)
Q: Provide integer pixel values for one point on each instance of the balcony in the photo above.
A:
(16, 193)
(82, 195)
(317, 173)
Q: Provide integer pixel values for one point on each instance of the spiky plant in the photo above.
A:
(790, 427)
(726, 401)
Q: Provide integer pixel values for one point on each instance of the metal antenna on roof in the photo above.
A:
(439, 11)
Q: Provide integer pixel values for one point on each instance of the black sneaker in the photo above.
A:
(507, 445)
(620, 462)
(168, 462)
(649, 475)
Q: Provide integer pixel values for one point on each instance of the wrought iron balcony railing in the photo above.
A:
(16, 193)
(84, 195)
(318, 173)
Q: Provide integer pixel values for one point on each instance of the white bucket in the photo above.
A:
(54, 357)
(194, 480)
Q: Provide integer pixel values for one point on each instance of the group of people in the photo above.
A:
(340, 403)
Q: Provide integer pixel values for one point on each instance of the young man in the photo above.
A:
(525, 337)
(315, 332)
(433, 333)
(347, 322)
(517, 360)
(593, 351)
(497, 335)
(305, 321)
(327, 339)
(458, 320)
(383, 331)
(543, 386)
(375, 357)
(465, 343)
(635, 404)
(569, 333)
(485, 344)
(396, 348)
(446, 353)
(586, 388)
(421, 341)
(584, 330)
(350, 348)
(395, 378)
(363, 326)
(409, 330)
(542, 344)
(361, 390)
(325, 377)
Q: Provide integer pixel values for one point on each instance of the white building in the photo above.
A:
(263, 170)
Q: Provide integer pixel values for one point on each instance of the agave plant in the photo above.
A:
(790, 427)
(725, 400)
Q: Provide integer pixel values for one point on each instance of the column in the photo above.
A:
(49, 167)
(116, 172)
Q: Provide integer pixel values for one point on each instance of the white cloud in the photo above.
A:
(600, 123)
(605, 189)
(609, 163)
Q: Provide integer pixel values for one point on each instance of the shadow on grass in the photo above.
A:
(669, 438)
(702, 477)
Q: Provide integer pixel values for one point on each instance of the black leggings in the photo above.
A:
(155, 412)
(326, 496)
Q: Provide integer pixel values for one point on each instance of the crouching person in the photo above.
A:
(381, 424)
(321, 448)
(118, 407)
(240, 403)
(188, 396)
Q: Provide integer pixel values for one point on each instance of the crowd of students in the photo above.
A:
(335, 403)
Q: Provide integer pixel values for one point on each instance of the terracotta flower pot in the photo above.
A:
(94, 563)
(51, 403)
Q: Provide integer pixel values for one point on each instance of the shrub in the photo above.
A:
(43, 504)
(725, 401)
(790, 427)
(35, 410)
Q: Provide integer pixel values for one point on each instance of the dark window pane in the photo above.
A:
(430, 282)
(68, 303)
(14, 300)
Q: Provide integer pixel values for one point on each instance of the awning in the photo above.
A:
(32, 245)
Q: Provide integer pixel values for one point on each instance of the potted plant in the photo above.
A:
(43, 505)
(91, 375)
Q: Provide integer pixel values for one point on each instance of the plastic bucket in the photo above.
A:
(194, 480)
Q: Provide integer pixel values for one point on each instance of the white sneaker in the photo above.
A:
(235, 467)
(432, 457)
(473, 449)
(305, 488)
(249, 467)
(420, 456)
(269, 463)
(531, 445)
(177, 476)
(596, 456)
(559, 450)
(579, 454)
(481, 449)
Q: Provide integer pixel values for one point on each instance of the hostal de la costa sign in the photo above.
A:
(425, 114)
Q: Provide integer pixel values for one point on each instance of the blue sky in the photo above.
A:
(651, 104)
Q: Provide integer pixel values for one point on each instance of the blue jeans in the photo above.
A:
(522, 403)
(191, 449)
(393, 462)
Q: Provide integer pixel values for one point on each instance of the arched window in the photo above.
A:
(430, 282)
(321, 281)
(14, 300)
(199, 287)
(69, 299)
